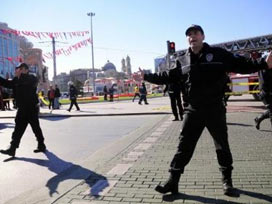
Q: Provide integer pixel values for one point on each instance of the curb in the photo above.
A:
(46, 115)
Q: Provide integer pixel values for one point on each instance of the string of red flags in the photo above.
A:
(69, 50)
(13, 60)
(42, 35)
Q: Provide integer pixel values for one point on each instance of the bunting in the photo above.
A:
(68, 50)
(42, 35)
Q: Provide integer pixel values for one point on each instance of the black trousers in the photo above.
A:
(22, 119)
(214, 119)
(73, 102)
(51, 103)
(175, 100)
(143, 98)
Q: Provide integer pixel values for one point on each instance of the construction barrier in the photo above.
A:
(242, 92)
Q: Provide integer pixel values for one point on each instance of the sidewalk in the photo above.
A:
(131, 176)
(127, 172)
(159, 105)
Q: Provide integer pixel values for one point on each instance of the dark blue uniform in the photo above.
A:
(27, 102)
(203, 77)
(265, 78)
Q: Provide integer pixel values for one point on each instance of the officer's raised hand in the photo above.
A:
(269, 60)
(142, 73)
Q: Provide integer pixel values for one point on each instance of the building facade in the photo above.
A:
(9, 51)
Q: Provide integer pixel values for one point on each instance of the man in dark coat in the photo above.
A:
(143, 93)
(25, 87)
(202, 70)
(265, 78)
(174, 91)
(73, 97)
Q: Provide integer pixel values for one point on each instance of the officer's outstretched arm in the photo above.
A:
(6, 83)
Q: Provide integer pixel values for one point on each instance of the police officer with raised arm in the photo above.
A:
(202, 70)
(25, 88)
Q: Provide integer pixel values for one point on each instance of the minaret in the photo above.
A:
(128, 67)
(123, 65)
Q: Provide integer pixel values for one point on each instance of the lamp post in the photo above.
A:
(91, 17)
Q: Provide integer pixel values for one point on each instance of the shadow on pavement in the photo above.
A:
(239, 124)
(66, 170)
(202, 199)
(6, 125)
(198, 199)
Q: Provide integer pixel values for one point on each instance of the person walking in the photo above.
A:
(143, 93)
(136, 92)
(174, 92)
(57, 96)
(105, 90)
(265, 79)
(73, 97)
(51, 97)
(202, 72)
(25, 86)
(111, 92)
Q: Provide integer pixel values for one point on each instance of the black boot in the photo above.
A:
(41, 148)
(171, 185)
(10, 151)
(258, 120)
(257, 123)
(227, 182)
(228, 188)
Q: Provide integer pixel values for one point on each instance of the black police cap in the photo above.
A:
(194, 27)
(22, 65)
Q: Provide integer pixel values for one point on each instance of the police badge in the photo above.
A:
(209, 57)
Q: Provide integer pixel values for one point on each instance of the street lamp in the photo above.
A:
(91, 17)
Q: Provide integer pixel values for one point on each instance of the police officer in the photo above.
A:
(25, 87)
(175, 100)
(73, 97)
(202, 70)
(143, 93)
(265, 78)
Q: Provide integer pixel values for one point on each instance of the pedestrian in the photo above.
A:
(265, 79)
(105, 90)
(2, 106)
(136, 92)
(57, 96)
(51, 97)
(25, 86)
(111, 92)
(174, 91)
(73, 97)
(202, 71)
(143, 93)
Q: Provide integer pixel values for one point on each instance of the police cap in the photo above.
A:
(194, 27)
(22, 65)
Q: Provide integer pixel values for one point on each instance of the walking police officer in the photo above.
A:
(174, 91)
(202, 70)
(25, 87)
(265, 78)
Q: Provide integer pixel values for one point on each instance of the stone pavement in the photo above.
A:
(131, 176)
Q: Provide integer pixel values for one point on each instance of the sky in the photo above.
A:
(137, 28)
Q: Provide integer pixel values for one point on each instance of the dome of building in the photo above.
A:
(109, 66)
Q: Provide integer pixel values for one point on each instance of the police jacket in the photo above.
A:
(173, 88)
(25, 89)
(203, 76)
(265, 79)
(73, 92)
